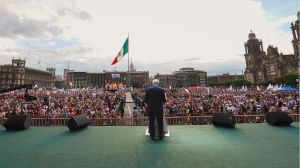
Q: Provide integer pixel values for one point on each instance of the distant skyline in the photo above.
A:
(163, 35)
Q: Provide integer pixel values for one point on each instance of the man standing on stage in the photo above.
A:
(154, 98)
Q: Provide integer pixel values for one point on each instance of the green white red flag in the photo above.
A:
(121, 53)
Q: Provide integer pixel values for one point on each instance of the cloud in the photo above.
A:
(191, 59)
(50, 57)
(82, 15)
(74, 12)
(211, 67)
(13, 26)
(51, 43)
(163, 37)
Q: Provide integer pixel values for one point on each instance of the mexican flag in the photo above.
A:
(121, 53)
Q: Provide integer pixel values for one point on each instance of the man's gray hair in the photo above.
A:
(155, 81)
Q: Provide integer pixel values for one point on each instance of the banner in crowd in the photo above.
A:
(115, 76)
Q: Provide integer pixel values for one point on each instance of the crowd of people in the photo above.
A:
(206, 101)
(95, 103)
(100, 103)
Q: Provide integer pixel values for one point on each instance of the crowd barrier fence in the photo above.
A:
(143, 121)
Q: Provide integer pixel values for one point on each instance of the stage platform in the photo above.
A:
(249, 145)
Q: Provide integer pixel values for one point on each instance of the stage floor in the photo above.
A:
(249, 145)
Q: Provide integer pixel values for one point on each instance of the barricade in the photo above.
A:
(143, 121)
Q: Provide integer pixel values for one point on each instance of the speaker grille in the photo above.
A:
(224, 120)
(78, 122)
(15, 122)
(278, 118)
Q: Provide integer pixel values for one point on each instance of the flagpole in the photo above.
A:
(128, 64)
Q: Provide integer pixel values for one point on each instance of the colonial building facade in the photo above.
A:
(263, 67)
(222, 79)
(185, 77)
(17, 73)
(100, 79)
(166, 80)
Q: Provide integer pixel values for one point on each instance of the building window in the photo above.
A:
(272, 68)
(259, 74)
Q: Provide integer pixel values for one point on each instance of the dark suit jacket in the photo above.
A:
(154, 98)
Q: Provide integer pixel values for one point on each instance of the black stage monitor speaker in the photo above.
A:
(16, 122)
(224, 120)
(78, 122)
(278, 118)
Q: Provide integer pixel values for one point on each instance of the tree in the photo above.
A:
(290, 79)
(239, 83)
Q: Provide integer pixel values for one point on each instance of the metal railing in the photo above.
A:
(143, 121)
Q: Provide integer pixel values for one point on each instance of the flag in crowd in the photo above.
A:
(187, 91)
(270, 86)
(208, 91)
(35, 86)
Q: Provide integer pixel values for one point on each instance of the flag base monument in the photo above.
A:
(166, 130)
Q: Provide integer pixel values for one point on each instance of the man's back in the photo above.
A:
(154, 98)
(155, 95)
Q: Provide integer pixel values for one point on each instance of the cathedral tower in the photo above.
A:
(254, 56)
(295, 31)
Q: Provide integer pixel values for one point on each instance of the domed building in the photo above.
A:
(262, 67)
(254, 54)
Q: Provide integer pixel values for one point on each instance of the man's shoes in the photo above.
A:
(152, 138)
(161, 139)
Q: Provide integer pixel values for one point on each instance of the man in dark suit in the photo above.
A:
(155, 98)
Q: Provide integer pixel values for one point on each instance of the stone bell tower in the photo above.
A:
(295, 31)
(254, 56)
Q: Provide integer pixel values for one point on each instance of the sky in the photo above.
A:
(164, 35)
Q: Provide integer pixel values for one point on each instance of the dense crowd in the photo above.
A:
(206, 101)
(100, 103)
(64, 103)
